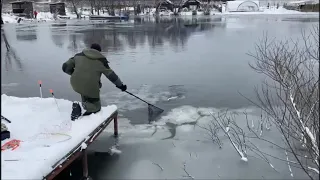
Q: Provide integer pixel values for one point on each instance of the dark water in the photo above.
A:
(199, 62)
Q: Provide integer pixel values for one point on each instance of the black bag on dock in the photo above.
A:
(5, 135)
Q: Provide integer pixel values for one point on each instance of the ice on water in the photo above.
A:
(146, 92)
(166, 144)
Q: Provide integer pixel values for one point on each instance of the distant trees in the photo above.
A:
(75, 4)
(98, 6)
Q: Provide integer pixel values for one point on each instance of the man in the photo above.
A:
(35, 13)
(85, 69)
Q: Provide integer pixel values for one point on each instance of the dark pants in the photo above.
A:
(91, 104)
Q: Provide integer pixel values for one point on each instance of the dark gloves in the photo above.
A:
(122, 87)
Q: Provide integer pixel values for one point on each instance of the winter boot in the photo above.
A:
(76, 111)
(5, 134)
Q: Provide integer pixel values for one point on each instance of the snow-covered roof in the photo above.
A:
(192, 0)
(56, 3)
(303, 2)
(169, 1)
(166, 1)
(20, 2)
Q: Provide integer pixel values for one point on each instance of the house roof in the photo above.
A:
(20, 2)
(57, 3)
(167, 1)
(192, 0)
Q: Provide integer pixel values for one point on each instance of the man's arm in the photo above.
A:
(110, 74)
(68, 67)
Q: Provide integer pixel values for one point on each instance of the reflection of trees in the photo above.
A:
(26, 34)
(107, 38)
(10, 54)
(155, 32)
(131, 38)
(58, 39)
(57, 34)
(172, 30)
(75, 43)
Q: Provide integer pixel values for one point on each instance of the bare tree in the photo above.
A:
(75, 5)
(1, 11)
(240, 139)
(92, 5)
(289, 102)
(291, 97)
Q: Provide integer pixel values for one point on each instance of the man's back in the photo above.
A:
(85, 69)
(89, 65)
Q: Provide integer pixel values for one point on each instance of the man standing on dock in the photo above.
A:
(85, 69)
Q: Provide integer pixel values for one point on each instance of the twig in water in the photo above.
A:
(291, 174)
(184, 168)
(173, 144)
(158, 166)
(155, 130)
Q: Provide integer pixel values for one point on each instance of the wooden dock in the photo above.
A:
(78, 152)
(110, 18)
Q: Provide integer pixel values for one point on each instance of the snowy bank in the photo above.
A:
(41, 17)
(9, 18)
(46, 133)
(271, 11)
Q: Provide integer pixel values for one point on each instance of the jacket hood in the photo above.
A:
(92, 54)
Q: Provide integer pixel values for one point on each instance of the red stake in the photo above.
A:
(40, 83)
(51, 91)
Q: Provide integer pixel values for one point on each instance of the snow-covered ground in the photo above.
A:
(266, 11)
(41, 17)
(46, 132)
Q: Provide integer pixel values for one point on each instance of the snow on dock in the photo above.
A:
(46, 133)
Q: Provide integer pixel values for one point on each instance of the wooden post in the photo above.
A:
(115, 125)
(85, 163)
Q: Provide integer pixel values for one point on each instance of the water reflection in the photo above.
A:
(75, 42)
(107, 38)
(57, 33)
(11, 56)
(58, 39)
(26, 33)
(116, 37)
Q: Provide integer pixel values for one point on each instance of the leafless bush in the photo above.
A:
(291, 97)
(289, 101)
(239, 137)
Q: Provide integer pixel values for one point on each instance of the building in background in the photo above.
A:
(23, 8)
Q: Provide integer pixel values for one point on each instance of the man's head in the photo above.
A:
(96, 47)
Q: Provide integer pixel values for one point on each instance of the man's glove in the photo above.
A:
(123, 87)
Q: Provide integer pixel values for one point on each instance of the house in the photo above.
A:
(191, 4)
(23, 8)
(242, 6)
(58, 8)
(165, 5)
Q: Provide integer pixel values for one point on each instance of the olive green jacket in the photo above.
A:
(85, 69)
